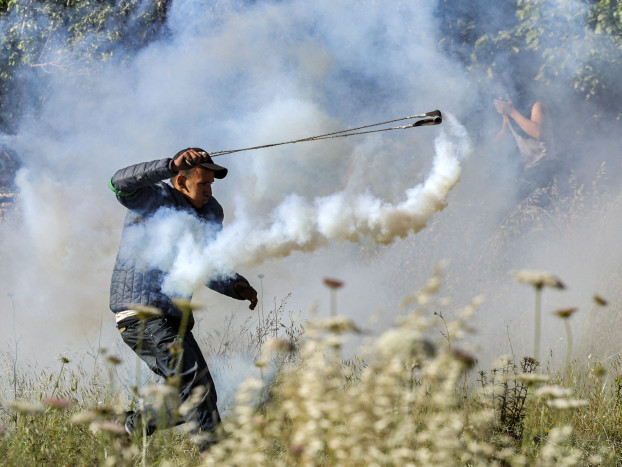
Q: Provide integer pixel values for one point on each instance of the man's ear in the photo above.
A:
(180, 181)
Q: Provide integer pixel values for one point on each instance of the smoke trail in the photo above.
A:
(298, 225)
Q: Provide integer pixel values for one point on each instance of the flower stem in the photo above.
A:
(569, 343)
(537, 324)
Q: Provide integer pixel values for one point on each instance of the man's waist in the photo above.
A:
(126, 318)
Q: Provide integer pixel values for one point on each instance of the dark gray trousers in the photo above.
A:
(157, 342)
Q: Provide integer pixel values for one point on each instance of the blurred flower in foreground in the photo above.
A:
(114, 360)
(332, 283)
(160, 391)
(185, 306)
(599, 371)
(565, 312)
(146, 312)
(175, 349)
(279, 346)
(533, 378)
(86, 416)
(58, 402)
(600, 300)
(538, 279)
(297, 449)
(464, 357)
(23, 407)
(162, 394)
(553, 391)
(564, 404)
(423, 296)
(274, 346)
(405, 344)
(107, 427)
(337, 325)
(196, 397)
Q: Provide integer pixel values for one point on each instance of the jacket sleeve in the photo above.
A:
(132, 183)
(225, 285)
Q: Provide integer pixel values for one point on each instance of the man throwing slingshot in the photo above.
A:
(158, 340)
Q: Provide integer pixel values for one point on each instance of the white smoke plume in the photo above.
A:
(193, 256)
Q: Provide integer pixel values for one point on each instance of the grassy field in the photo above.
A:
(409, 398)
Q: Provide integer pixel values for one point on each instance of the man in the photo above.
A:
(137, 283)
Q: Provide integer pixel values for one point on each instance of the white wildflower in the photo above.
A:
(86, 416)
(404, 344)
(196, 397)
(23, 407)
(100, 426)
(146, 311)
(564, 404)
(538, 279)
(337, 325)
(162, 394)
(274, 346)
(533, 378)
(553, 391)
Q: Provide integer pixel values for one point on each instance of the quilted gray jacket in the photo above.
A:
(142, 190)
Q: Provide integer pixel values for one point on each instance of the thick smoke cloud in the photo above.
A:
(179, 243)
(365, 209)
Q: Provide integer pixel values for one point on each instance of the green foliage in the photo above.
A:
(88, 29)
(45, 439)
(573, 44)
(74, 36)
(606, 18)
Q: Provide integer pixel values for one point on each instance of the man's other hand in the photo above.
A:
(245, 291)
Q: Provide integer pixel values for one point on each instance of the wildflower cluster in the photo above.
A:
(401, 410)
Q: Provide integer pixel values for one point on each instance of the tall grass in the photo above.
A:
(411, 396)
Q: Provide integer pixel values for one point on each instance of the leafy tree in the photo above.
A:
(557, 43)
(41, 37)
(568, 53)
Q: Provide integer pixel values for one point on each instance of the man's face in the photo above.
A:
(198, 187)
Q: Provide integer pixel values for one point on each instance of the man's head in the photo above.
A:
(195, 182)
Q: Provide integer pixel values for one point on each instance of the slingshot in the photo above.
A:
(429, 118)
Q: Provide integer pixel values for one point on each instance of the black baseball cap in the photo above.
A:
(208, 163)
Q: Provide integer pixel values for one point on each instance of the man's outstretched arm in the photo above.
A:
(236, 287)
